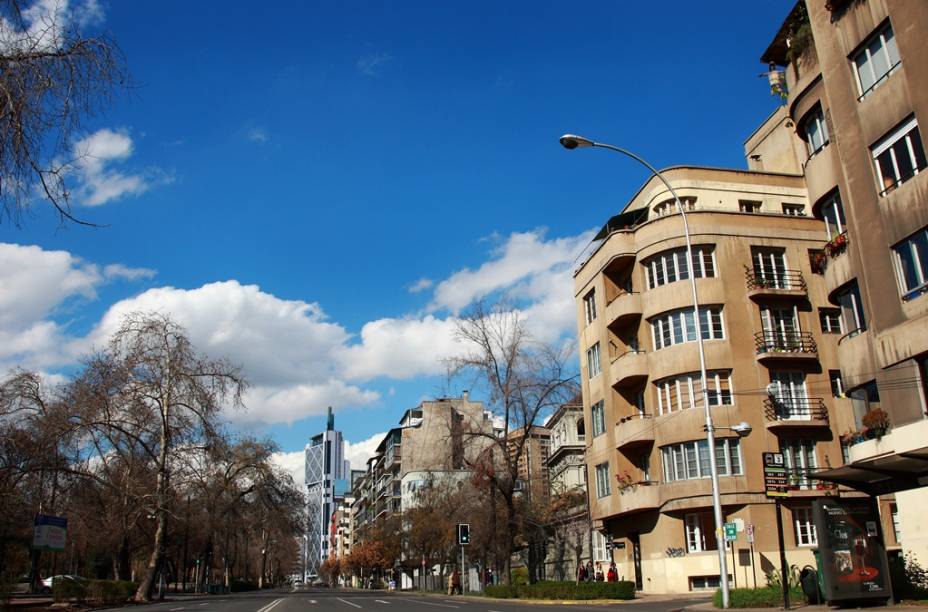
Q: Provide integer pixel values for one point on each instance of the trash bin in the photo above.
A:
(808, 580)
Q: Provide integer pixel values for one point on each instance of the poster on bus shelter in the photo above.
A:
(850, 540)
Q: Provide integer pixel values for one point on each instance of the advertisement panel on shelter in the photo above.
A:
(850, 539)
(50, 532)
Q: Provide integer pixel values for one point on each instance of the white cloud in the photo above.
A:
(289, 403)
(420, 285)
(125, 272)
(97, 182)
(293, 463)
(372, 64)
(520, 257)
(358, 453)
(45, 23)
(258, 135)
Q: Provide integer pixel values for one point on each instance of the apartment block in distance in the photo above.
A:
(858, 101)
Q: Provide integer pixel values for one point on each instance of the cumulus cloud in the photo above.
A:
(357, 453)
(293, 463)
(127, 273)
(45, 23)
(521, 257)
(97, 181)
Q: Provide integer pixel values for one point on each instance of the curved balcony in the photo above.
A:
(639, 497)
(788, 284)
(785, 346)
(634, 431)
(822, 172)
(625, 306)
(838, 270)
(628, 368)
(795, 412)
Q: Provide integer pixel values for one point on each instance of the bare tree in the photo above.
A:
(151, 386)
(524, 379)
(52, 78)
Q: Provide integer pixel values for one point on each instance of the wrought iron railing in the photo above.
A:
(795, 409)
(783, 279)
(791, 342)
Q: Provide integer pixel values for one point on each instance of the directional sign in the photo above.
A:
(776, 478)
(731, 532)
(50, 532)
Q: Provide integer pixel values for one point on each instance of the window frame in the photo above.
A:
(598, 417)
(864, 49)
(816, 118)
(682, 391)
(590, 362)
(676, 327)
(661, 266)
(793, 210)
(676, 464)
(887, 144)
(804, 526)
(839, 222)
(828, 319)
(589, 306)
(603, 488)
(851, 292)
(919, 265)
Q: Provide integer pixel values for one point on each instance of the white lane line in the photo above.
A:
(176, 609)
(204, 604)
(269, 606)
(428, 603)
(343, 601)
(382, 601)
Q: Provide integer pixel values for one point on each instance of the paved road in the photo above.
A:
(325, 600)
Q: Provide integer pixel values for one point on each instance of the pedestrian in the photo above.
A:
(613, 574)
(581, 573)
(599, 572)
(456, 582)
(589, 571)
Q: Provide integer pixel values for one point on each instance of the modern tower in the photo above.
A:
(327, 473)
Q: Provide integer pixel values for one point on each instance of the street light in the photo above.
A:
(572, 141)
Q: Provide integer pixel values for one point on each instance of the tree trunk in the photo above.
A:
(147, 584)
(264, 538)
(122, 562)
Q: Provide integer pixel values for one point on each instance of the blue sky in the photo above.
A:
(315, 189)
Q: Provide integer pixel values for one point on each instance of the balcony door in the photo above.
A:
(770, 266)
(791, 395)
(781, 327)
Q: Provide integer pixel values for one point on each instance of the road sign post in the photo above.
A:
(776, 484)
(463, 540)
(749, 530)
(731, 534)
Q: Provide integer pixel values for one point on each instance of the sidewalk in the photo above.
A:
(640, 598)
(707, 606)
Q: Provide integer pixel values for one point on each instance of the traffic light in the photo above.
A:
(463, 534)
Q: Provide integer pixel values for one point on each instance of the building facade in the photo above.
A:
(771, 337)
(858, 100)
(327, 473)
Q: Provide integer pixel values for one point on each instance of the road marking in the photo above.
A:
(343, 601)
(312, 601)
(382, 601)
(428, 603)
(204, 604)
(269, 606)
(176, 609)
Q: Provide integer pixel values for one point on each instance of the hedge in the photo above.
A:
(239, 586)
(762, 597)
(111, 591)
(66, 590)
(564, 590)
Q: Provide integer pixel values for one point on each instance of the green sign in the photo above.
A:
(731, 532)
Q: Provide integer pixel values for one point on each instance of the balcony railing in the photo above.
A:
(789, 280)
(794, 342)
(795, 409)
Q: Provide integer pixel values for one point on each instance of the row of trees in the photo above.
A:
(133, 451)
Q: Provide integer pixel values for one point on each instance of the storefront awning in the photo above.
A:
(882, 475)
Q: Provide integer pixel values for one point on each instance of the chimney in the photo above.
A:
(464, 394)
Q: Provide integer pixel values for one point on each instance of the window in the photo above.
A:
(748, 206)
(852, 310)
(804, 527)
(781, 328)
(833, 215)
(685, 391)
(599, 547)
(898, 156)
(837, 385)
(830, 318)
(700, 532)
(589, 306)
(799, 456)
(897, 525)
(690, 460)
(794, 210)
(912, 264)
(790, 396)
(864, 399)
(602, 480)
(702, 583)
(671, 266)
(668, 207)
(679, 326)
(816, 131)
(592, 360)
(876, 61)
(599, 418)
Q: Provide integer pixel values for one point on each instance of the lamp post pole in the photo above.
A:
(571, 141)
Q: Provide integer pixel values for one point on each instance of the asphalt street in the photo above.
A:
(378, 601)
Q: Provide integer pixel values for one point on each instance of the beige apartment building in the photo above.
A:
(771, 338)
(857, 102)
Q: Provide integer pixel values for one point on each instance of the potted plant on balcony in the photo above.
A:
(818, 261)
(624, 482)
(836, 245)
(877, 422)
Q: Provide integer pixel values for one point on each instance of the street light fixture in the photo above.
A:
(572, 141)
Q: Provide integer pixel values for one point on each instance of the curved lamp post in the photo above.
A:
(572, 141)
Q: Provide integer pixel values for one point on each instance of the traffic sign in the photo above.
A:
(749, 530)
(776, 478)
(731, 532)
